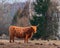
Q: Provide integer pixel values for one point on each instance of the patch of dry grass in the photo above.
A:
(1, 43)
(31, 44)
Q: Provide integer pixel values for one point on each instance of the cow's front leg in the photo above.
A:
(10, 38)
(26, 39)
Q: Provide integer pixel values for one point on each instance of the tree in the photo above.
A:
(52, 20)
(14, 21)
(21, 17)
(40, 8)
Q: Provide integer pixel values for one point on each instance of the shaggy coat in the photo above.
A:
(21, 32)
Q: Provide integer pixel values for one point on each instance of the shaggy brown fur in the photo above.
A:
(21, 32)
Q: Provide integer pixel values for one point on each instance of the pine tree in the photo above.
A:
(40, 7)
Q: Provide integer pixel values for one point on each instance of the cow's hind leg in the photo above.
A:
(11, 39)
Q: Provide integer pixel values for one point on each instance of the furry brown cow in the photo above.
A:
(21, 32)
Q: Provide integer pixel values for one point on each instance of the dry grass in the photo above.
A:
(31, 44)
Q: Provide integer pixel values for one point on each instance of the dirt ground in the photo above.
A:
(30, 44)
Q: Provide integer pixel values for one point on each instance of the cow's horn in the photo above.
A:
(37, 25)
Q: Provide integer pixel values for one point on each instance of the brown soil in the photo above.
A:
(30, 44)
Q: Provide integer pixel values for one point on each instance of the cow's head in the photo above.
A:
(34, 28)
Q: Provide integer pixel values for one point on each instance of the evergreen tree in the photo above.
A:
(14, 21)
(40, 7)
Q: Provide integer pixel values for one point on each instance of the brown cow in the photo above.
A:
(21, 32)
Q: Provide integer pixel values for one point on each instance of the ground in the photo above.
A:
(30, 44)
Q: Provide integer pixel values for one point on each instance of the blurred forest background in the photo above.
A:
(46, 13)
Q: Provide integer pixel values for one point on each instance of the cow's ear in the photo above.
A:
(32, 28)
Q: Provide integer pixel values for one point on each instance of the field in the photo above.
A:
(31, 44)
